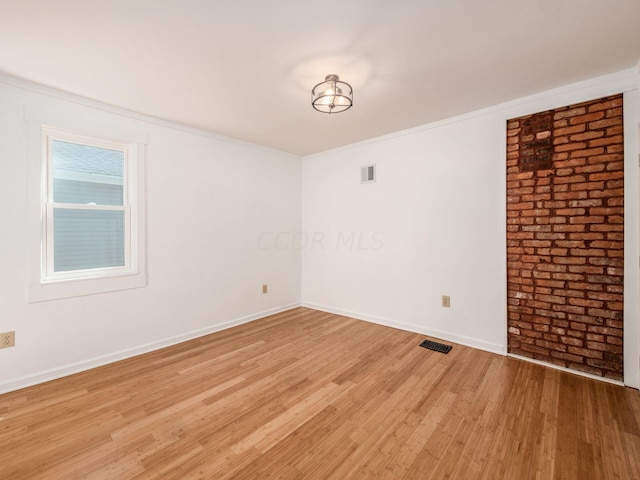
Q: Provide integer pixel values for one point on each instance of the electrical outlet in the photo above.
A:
(265, 288)
(7, 339)
(446, 301)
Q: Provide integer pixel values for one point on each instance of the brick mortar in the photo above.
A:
(565, 243)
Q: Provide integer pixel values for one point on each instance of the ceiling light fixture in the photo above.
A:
(332, 95)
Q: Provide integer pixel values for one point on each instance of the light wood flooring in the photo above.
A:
(311, 395)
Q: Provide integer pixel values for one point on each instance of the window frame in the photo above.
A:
(95, 123)
(129, 150)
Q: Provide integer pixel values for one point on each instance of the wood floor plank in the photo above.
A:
(311, 395)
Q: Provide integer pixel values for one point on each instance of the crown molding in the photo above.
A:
(33, 87)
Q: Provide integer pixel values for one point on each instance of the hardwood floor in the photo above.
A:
(310, 395)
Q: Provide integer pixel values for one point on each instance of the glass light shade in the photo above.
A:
(332, 95)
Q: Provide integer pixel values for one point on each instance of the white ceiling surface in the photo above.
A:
(245, 68)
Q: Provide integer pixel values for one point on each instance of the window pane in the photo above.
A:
(87, 175)
(86, 239)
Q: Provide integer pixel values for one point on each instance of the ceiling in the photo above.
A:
(245, 68)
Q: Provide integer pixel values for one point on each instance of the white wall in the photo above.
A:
(434, 224)
(208, 201)
(223, 217)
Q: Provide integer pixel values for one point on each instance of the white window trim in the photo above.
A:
(42, 286)
(50, 134)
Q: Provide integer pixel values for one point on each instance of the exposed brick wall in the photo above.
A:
(565, 236)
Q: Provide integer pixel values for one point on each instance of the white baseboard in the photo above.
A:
(411, 327)
(564, 369)
(70, 369)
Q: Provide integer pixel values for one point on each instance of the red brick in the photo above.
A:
(593, 202)
(585, 352)
(606, 211)
(595, 337)
(587, 369)
(605, 105)
(550, 314)
(606, 176)
(570, 211)
(607, 244)
(606, 331)
(587, 186)
(603, 347)
(571, 113)
(535, 212)
(606, 365)
(610, 297)
(617, 148)
(614, 112)
(615, 236)
(587, 252)
(531, 334)
(610, 122)
(586, 236)
(609, 157)
(568, 276)
(565, 240)
(606, 261)
(586, 303)
(538, 327)
(521, 206)
(568, 163)
(550, 236)
(603, 313)
(567, 356)
(571, 243)
(571, 179)
(586, 269)
(587, 152)
(615, 130)
(597, 167)
(569, 309)
(551, 345)
(537, 228)
(606, 141)
(607, 228)
(576, 342)
(586, 136)
(571, 195)
(612, 166)
(587, 219)
(536, 243)
(569, 293)
(569, 228)
(604, 279)
(615, 306)
(596, 287)
(589, 117)
(536, 349)
(571, 260)
(575, 129)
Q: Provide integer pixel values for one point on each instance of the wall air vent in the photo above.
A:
(367, 174)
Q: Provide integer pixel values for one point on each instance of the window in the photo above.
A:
(89, 215)
(86, 220)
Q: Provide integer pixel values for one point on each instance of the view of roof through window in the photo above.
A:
(84, 159)
(84, 174)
